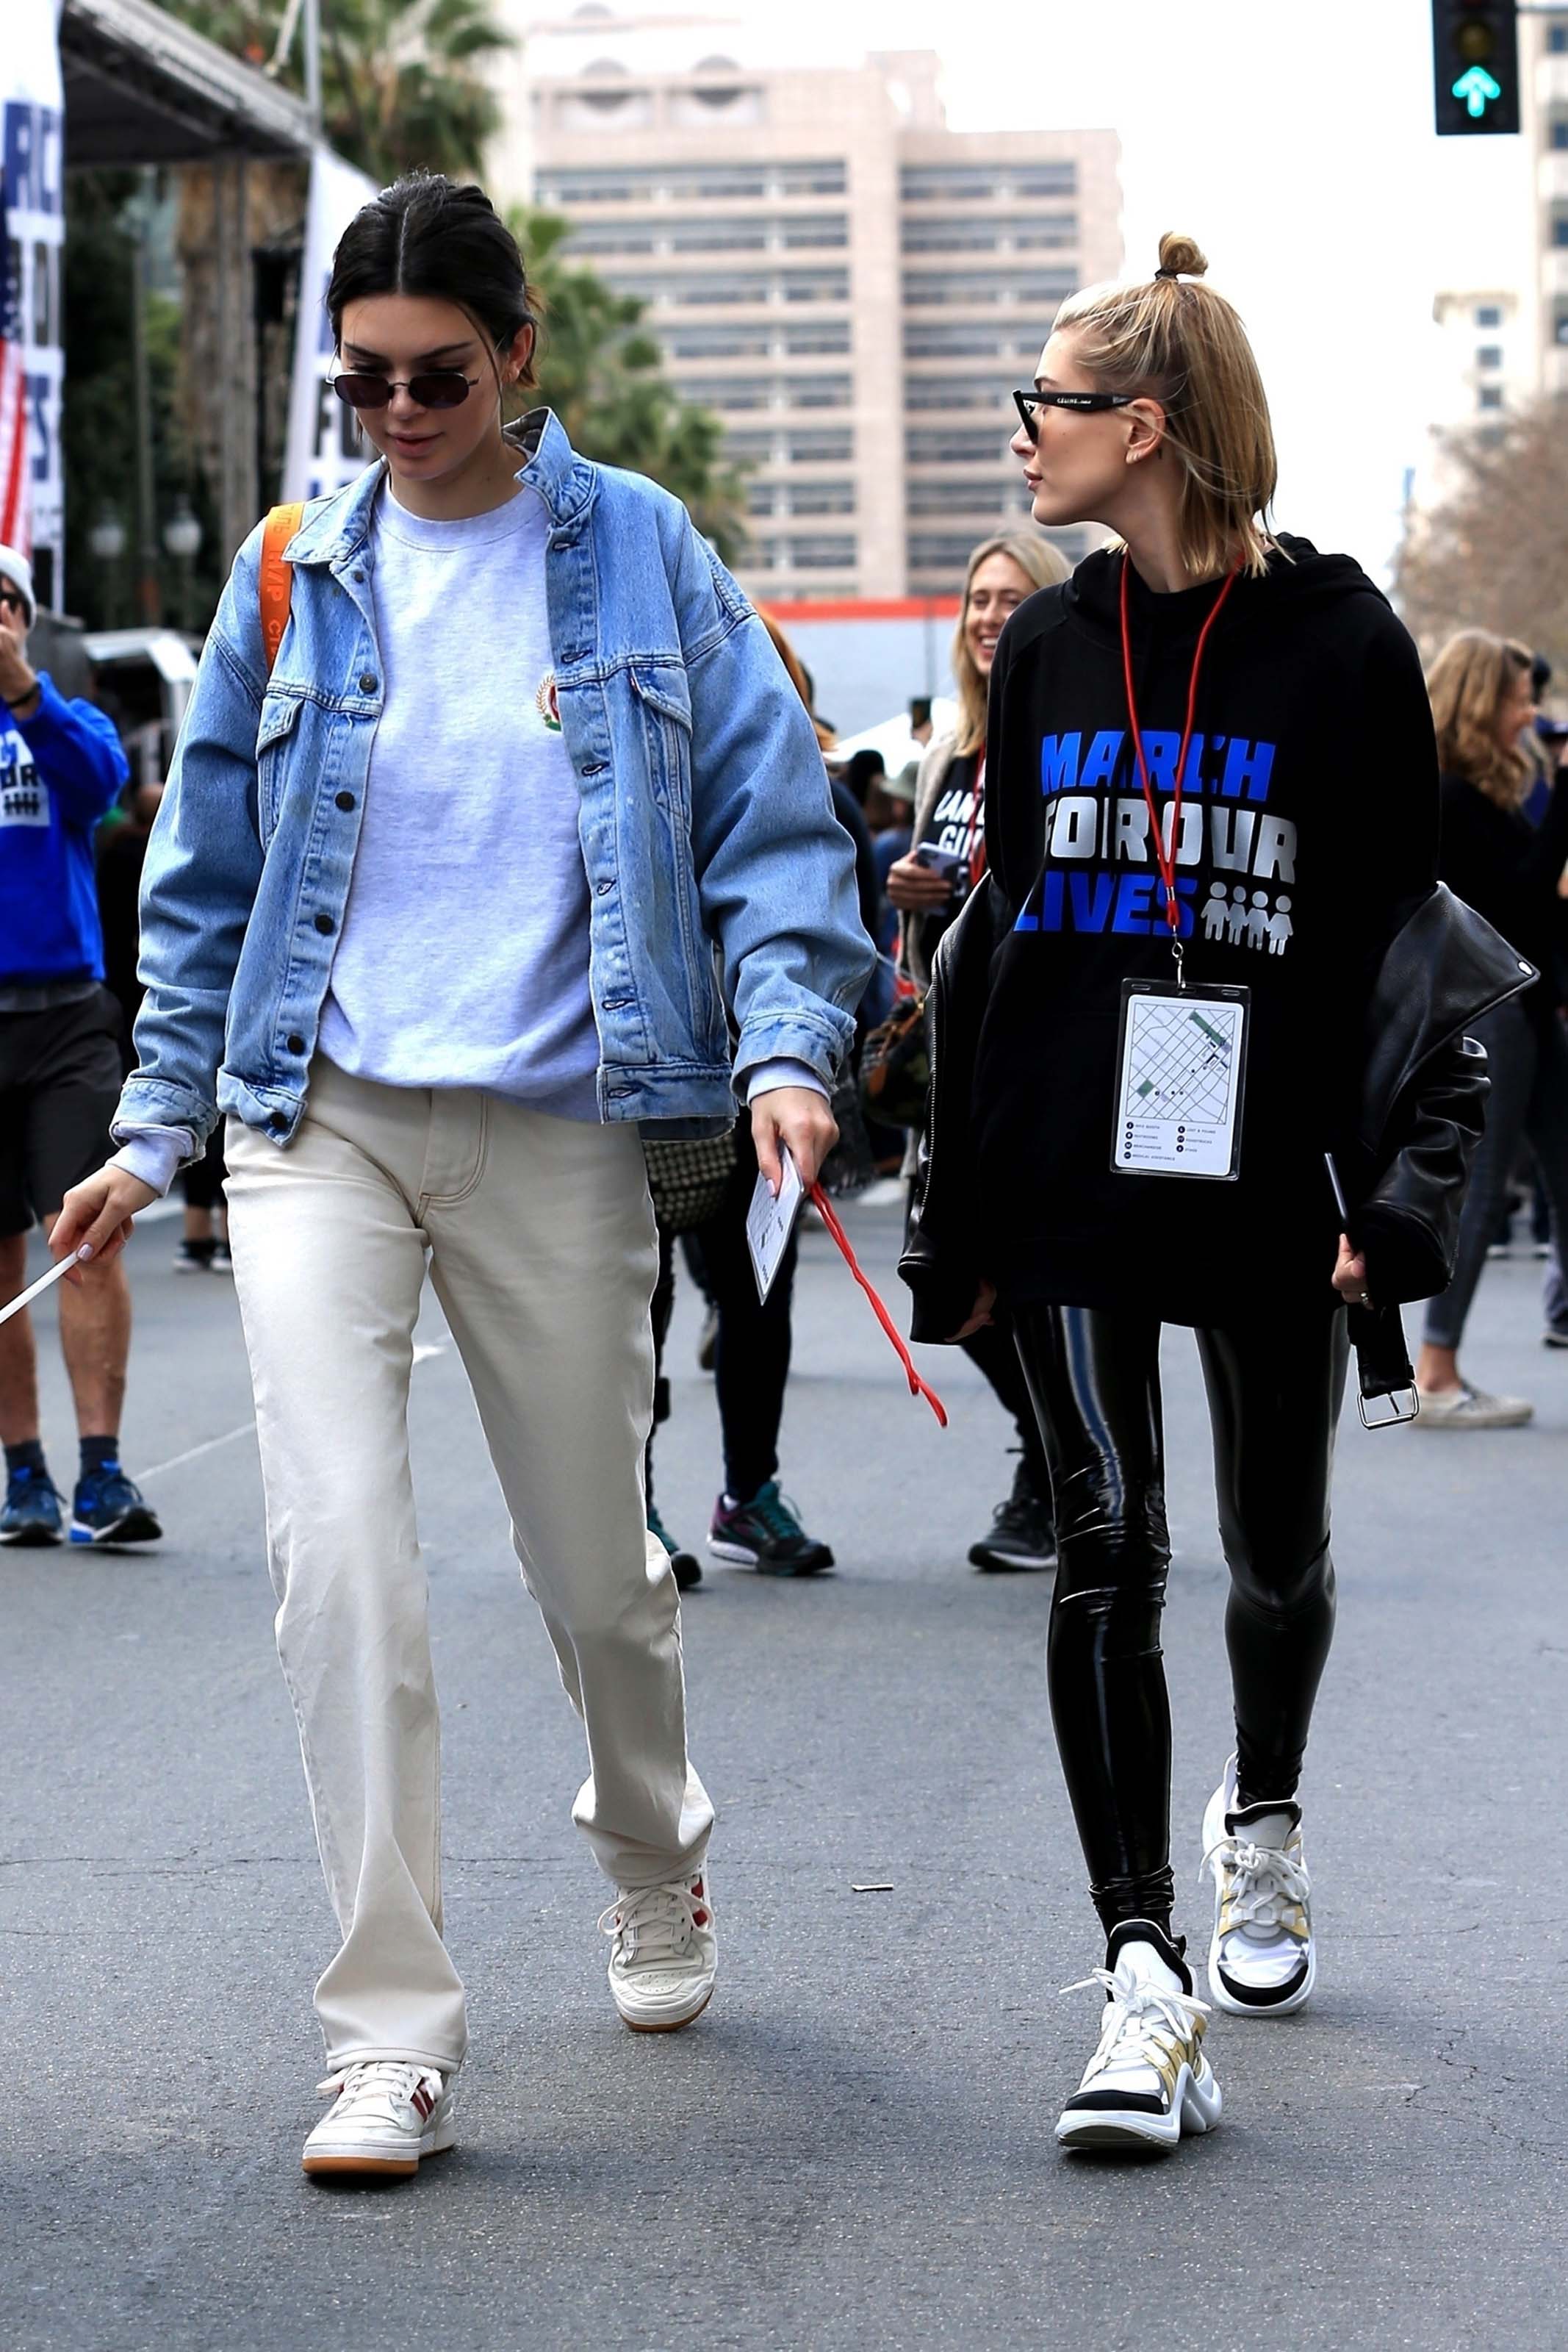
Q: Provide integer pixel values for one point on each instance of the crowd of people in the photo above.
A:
(540, 1032)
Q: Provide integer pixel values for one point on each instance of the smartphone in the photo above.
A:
(949, 862)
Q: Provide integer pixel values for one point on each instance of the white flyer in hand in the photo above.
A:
(769, 1223)
(1182, 1069)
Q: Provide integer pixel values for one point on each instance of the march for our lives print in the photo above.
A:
(1234, 858)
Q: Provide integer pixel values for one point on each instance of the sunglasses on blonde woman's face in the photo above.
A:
(1085, 403)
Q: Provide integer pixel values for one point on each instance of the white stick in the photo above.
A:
(35, 1289)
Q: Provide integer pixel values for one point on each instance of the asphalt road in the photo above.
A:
(853, 2147)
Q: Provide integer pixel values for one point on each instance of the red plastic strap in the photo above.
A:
(917, 1386)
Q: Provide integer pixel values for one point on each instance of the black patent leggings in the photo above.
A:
(1274, 1398)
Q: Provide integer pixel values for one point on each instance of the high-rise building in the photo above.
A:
(850, 286)
(1544, 91)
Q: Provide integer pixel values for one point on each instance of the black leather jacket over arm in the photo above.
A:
(1422, 1104)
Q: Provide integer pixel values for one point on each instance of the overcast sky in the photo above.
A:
(1294, 139)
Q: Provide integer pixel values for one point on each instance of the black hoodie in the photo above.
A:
(1309, 825)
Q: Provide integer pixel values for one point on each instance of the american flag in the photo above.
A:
(14, 522)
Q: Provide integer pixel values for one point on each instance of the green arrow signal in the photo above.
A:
(1478, 89)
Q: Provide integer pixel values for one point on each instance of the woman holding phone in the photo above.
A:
(928, 885)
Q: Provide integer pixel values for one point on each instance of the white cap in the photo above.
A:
(16, 568)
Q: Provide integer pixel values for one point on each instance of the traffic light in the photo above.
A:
(1475, 60)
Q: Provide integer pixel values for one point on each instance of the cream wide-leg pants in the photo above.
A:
(539, 1235)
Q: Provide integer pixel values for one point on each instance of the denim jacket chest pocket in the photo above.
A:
(276, 739)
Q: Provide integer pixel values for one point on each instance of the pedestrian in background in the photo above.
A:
(1510, 871)
(946, 827)
(61, 769)
(1276, 705)
(753, 1523)
(431, 909)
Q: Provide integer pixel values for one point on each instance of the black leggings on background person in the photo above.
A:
(1527, 1064)
(751, 1361)
(1274, 1397)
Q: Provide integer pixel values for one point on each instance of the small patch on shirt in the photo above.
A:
(24, 795)
(547, 702)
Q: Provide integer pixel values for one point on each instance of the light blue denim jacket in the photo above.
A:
(706, 820)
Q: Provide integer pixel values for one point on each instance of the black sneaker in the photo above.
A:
(766, 1534)
(1023, 1532)
(686, 1565)
(32, 1512)
(109, 1509)
(1556, 1336)
(194, 1257)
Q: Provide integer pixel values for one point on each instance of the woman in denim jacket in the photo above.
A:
(430, 912)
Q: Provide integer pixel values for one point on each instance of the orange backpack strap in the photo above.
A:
(276, 584)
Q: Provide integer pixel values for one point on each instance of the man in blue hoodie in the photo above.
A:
(61, 768)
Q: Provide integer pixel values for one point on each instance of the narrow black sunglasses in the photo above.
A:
(437, 388)
(1027, 403)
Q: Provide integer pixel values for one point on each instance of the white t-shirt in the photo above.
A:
(463, 960)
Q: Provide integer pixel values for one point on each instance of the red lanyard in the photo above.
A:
(917, 1386)
(1164, 855)
(976, 823)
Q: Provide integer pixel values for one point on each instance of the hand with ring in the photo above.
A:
(1350, 1276)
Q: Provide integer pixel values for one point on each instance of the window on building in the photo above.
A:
(681, 182)
(1560, 324)
(1488, 355)
(1557, 39)
(1560, 228)
(821, 497)
(1489, 396)
(818, 448)
(817, 391)
(762, 498)
(718, 342)
(815, 285)
(985, 234)
(955, 445)
(925, 392)
(726, 391)
(1486, 314)
(975, 287)
(946, 182)
(829, 338)
(968, 494)
(827, 551)
(717, 236)
(1558, 132)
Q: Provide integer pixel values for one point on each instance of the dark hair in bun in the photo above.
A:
(426, 234)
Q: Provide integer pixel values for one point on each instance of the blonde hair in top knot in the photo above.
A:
(1181, 257)
(1176, 341)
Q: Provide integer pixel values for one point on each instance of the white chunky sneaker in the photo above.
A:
(664, 1952)
(1148, 2081)
(387, 2115)
(1262, 1961)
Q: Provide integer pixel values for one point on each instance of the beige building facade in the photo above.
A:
(850, 286)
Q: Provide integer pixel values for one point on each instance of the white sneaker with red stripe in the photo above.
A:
(664, 1952)
(387, 2115)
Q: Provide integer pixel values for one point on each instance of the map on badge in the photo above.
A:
(1180, 1087)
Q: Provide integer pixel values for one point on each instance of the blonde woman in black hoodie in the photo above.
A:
(1212, 817)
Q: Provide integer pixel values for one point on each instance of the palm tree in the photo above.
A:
(403, 81)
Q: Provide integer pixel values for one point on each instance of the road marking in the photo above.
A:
(195, 1453)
